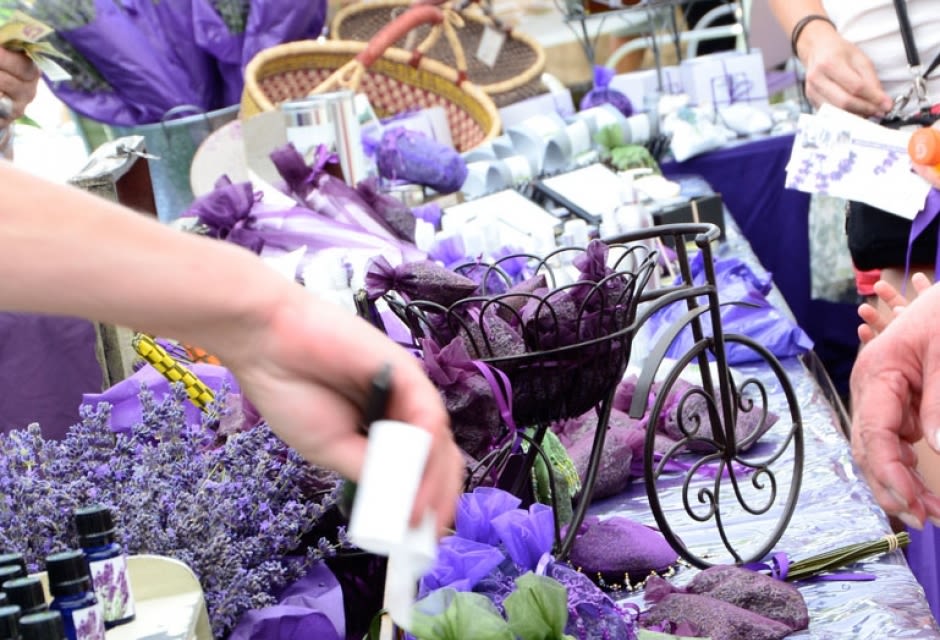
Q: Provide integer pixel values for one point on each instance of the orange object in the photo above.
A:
(924, 147)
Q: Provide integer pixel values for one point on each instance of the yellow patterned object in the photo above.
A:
(198, 391)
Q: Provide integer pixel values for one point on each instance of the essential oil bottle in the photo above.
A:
(9, 623)
(13, 560)
(11, 572)
(48, 625)
(26, 593)
(73, 596)
(108, 565)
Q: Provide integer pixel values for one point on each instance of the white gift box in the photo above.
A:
(720, 79)
(641, 86)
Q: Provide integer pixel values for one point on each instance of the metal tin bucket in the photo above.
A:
(173, 141)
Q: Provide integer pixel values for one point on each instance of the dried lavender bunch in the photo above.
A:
(65, 16)
(61, 14)
(234, 13)
(238, 513)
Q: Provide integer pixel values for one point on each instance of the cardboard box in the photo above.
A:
(702, 209)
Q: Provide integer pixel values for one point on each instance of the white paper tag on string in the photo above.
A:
(491, 43)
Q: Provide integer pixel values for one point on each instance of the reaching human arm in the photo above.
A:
(837, 71)
(306, 365)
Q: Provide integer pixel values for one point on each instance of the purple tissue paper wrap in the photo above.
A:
(312, 607)
(461, 564)
(476, 512)
(124, 398)
(527, 535)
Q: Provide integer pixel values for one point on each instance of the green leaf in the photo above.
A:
(609, 137)
(26, 120)
(538, 608)
(375, 629)
(447, 614)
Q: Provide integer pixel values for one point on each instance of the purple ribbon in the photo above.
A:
(779, 568)
(921, 221)
(299, 177)
(502, 393)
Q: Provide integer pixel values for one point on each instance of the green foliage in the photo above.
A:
(536, 610)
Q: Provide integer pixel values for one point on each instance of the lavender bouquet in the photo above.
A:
(242, 510)
(135, 60)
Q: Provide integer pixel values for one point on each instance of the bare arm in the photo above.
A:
(837, 72)
(305, 364)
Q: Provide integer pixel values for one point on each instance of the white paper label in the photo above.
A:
(113, 588)
(491, 43)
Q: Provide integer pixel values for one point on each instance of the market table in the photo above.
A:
(835, 508)
(750, 176)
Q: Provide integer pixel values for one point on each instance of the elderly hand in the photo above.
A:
(19, 78)
(838, 73)
(896, 402)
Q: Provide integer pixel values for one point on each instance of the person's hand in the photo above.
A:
(838, 73)
(876, 318)
(895, 387)
(19, 78)
(308, 370)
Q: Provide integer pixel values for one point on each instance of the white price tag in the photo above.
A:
(491, 43)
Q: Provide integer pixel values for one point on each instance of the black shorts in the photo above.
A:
(878, 239)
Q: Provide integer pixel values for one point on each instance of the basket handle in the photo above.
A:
(397, 29)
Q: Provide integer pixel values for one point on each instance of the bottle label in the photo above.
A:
(88, 623)
(113, 588)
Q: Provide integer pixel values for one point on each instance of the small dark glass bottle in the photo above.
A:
(11, 572)
(48, 625)
(73, 596)
(27, 594)
(107, 564)
(13, 560)
(9, 623)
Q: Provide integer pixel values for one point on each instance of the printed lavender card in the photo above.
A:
(839, 154)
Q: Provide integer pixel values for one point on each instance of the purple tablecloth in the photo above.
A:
(46, 364)
(774, 220)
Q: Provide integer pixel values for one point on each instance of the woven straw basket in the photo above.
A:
(516, 75)
(393, 79)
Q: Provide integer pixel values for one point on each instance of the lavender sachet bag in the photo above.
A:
(619, 552)
(603, 94)
(746, 604)
(420, 280)
(414, 157)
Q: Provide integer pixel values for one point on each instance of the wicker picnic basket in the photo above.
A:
(518, 67)
(394, 80)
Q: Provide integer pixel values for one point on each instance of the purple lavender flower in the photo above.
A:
(237, 508)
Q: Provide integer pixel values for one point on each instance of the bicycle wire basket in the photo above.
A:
(574, 337)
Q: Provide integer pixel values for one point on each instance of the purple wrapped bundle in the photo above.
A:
(620, 551)
(487, 335)
(711, 618)
(611, 289)
(474, 415)
(591, 612)
(772, 598)
(603, 94)
(413, 157)
(421, 280)
(516, 297)
(749, 426)
(614, 471)
(391, 210)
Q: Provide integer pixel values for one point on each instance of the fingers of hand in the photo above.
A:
(442, 483)
(19, 78)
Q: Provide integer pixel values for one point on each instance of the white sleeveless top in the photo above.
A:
(873, 26)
